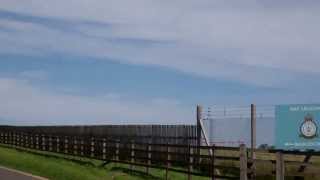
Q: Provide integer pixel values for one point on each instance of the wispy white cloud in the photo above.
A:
(23, 103)
(258, 42)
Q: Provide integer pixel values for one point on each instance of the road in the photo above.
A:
(9, 174)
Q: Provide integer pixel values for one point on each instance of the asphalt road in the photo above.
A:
(9, 174)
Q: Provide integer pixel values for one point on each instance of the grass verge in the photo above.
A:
(56, 168)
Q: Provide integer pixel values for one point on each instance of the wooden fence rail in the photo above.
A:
(164, 156)
(149, 155)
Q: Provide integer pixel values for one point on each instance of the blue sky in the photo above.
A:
(152, 61)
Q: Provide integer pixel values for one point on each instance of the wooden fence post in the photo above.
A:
(243, 162)
(82, 148)
(14, 140)
(66, 145)
(92, 147)
(18, 139)
(75, 146)
(10, 138)
(24, 136)
(31, 141)
(212, 162)
(280, 167)
(50, 143)
(132, 154)
(58, 144)
(117, 151)
(43, 143)
(149, 149)
(168, 161)
(190, 169)
(104, 149)
(27, 141)
(37, 141)
(5, 138)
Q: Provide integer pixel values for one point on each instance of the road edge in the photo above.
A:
(23, 173)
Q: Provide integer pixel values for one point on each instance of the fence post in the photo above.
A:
(5, 138)
(82, 148)
(117, 151)
(132, 154)
(11, 139)
(168, 161)
(280, 167)
(37, 141)
(199, 112)
(75, 146)
(243, 162)
(149, 156)
(27, 142)
(92, 147)
(66, 145)
(190, 169)
(43, 143)
(212, 162)
(24, 140)
(18, 140)
(31, 142)
(50, 143)
(21, 139)
(253, 140)
(14, 140)
(104, 150)
(58, 144)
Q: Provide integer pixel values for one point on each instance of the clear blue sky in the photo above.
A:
(152, 61)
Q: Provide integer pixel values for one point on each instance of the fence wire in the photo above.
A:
(231, 125)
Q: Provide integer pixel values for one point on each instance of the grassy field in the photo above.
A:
(61, 169)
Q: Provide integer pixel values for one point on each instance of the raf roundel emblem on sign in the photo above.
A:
(308, 128)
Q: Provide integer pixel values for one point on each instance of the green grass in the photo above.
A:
(56, 168)
(61, 167)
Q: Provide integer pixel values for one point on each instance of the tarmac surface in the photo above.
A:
(10, 174)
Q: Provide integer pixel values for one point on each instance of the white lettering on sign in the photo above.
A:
(304, 108)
